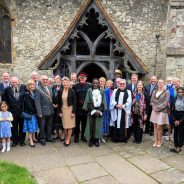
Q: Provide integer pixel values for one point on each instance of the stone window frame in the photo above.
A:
(6, 13)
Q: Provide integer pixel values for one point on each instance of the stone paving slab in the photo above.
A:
(109, 164)
(98, 151)
(170, 176)
(79, 160)
(177, 161)
(149, 164)
(102, 180)
(88, 171)
(60, 175)
(46, 161)
(123, 171)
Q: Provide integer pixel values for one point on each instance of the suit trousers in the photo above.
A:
(80, 119)
(45, 126)
(178, 135)
(149, 125)
(137, 130)
(17, 130)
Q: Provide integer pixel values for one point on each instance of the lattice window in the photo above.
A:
(5, 35)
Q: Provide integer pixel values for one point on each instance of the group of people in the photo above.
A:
(57, 108)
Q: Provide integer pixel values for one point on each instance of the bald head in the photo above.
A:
(153, 80)
(14, 81)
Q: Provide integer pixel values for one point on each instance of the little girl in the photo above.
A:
(5, 126)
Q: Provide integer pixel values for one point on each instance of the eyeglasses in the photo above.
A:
(122, 83)
(45, 79)
(180, 91)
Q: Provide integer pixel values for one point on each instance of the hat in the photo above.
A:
(118, 71)
(83, 74)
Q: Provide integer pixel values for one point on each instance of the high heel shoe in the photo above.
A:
(32, 145)
(155, 145)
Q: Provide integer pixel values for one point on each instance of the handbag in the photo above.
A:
(26, 115)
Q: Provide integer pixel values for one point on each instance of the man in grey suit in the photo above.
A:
(44, 107)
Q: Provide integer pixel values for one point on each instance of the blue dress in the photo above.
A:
(31, 125)
(106, 115)
(5, 126)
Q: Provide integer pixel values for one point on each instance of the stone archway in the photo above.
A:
(92, 38)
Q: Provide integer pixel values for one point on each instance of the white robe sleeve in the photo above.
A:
(128, 106)
(113, 111)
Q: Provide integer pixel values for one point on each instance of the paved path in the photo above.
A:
(109, 164)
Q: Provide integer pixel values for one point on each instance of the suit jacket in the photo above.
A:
(43, 101)
(129, 87)
(80, 91)
(29, 104)
(71, 100)
(1, 88)
(161, 102)
(15, 106)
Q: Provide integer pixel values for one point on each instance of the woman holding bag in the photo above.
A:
(29, 113)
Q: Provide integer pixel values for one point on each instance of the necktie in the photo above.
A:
(151, 90)
(16, 94)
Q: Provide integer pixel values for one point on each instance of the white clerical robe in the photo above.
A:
(116, 113)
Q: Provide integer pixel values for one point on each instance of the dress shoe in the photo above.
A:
(97, 144)
(43, 143)
(14, 144)
(83, 139)
(35, 141)
(22, 143)
(32, 145)
(76, 140)
(62, 139)
(67, 144)
(91, 143)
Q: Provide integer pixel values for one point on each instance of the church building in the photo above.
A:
(93, 36)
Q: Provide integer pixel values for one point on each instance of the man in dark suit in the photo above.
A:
(5, 83)
(13, 95)
(45, 110)
(149, 91)
(133, 85)
(80, 89)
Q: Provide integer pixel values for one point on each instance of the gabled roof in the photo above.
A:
(84, 6)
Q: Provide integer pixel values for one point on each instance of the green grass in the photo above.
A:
(13, 174)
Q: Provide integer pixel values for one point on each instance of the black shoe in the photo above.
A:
(91, 143)
(22, 144)
(14, 144)
(67, 144)
(97, 144)
(83, 139)
(62, 139)
(43, 143)
(76, 140)
(151, 133)
(35, 141)
(32, 145)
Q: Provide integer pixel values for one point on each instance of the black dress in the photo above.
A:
(57, 122)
